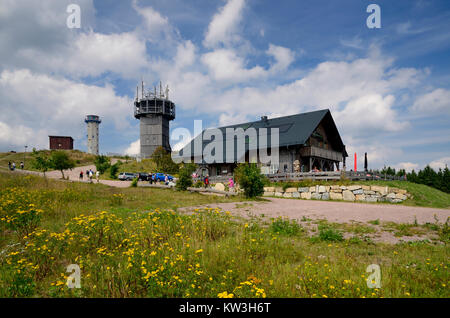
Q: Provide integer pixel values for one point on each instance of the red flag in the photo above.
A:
(356, 166)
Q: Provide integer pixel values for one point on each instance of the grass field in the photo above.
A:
(133, 243)
(80, 158)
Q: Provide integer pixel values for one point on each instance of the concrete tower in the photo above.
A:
(154, 112)
(92, 121)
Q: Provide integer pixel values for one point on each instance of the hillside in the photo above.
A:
(134, 242)
(80, 158)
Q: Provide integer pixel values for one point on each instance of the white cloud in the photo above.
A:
(283, 57)
(368, 114)
(224, 25)
(134, 148)
(435, 102)
(440, 163)
(92, 54)
(53, 105)
(408, 166)
(224, 64)
(15, 137)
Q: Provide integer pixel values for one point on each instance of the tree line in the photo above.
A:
(437, 179)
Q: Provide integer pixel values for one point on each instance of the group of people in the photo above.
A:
(152, 178)
(89, 175)
(12, 166)
(206, 181)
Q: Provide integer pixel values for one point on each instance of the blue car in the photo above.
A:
(161, 177)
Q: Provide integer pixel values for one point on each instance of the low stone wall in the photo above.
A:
(361, 193)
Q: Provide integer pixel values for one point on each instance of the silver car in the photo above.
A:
(128, 176)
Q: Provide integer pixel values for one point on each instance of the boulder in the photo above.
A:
(335, 196)
(287, 195)
(219, 186)
(369, 192)
(394, 190)
(382, 190)
(343, 188)
(316, 196)
(391, 195)
(360, 197)
(322, 189)
(305, 195)
(290, 190)
(348, 195)
(365, 188)
(359, 192)
(312, 189)
(325, 196)
(303, 189)
(278, 194)
(335, 187)
(402, 191)
(296, 194)
(371, 198)
(269, 189)
(279, 189)
(268, 194)
(354, 187)
(400, 196)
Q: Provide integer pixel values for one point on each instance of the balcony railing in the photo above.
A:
(321, 153)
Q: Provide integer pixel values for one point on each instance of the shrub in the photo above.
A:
(285, 227)
(185, 179)
(113, 170)
(134, 182)
(164, 161)
(329, 233)
(249, 178)
(59, 160)
(18, 212)
(102, 163)
(198, 184)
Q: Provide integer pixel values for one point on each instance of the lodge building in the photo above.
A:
(307, 142)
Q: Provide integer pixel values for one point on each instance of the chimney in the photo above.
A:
(264, 118)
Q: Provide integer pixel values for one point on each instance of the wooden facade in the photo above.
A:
(60, 142)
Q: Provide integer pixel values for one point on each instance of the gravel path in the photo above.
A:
(340, 212)
(308, 212)
(74, 175)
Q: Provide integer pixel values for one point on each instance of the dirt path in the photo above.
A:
(74, 175)
(308, 212)
(341, 212)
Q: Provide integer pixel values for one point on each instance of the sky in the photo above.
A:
(228, 62)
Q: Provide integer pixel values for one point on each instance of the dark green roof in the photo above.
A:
(293, 129)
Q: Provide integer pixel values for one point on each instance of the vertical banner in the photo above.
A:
(356, 166)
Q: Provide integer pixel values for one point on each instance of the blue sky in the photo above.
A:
(229, 62)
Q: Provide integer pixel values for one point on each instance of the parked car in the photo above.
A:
(128, 176)
(161, 177)
(143, 176)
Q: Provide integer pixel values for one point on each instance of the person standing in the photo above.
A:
(231, 183)
(166, 179)
(150, 178)
(13, 166)
(21, 165)
(97, 175)
(9, 165)
(81, 175)
(206, 181)
(90, 175)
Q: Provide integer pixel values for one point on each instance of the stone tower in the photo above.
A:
(92, 121)
(154, 111)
